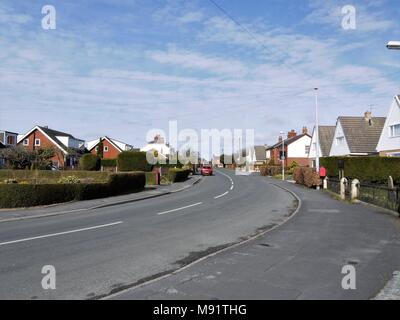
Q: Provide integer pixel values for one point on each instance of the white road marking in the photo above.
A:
(221, 195)
(181, 208)
(61, 233)
(230, 179)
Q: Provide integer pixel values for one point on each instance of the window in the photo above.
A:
(339, 141)
(37, 142)
(105, 148)
(394, 131)
(26, 142)
(307, 149)
(10, 140)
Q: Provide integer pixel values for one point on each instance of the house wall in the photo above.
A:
(390, 145)
(112, 153)
(59, 157)
(339, 149)
(313, 147)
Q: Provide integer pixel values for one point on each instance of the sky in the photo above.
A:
(121, 68)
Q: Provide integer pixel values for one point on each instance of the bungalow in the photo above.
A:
(67, 148)
(159, 145)
(296, 148)
(111, 147)
(325, 134)
(357, 136)
(389, 142)
(8, 139)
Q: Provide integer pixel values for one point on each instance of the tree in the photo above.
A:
(100, 149)
(20, 158)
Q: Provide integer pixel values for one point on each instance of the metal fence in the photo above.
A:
(381, 196)
(334, 185)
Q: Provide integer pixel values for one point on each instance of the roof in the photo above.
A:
(121, 146)
(362, 137)
(326, 135)
(52, 135)
(290, 140)
(260, 152)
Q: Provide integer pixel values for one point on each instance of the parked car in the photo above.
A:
(206, 170)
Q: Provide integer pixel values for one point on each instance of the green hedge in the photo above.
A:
(48, 176)
(178, 175)
(29, 195)
(151, 178)
(108, 163)
(89, 162)
(368, 169)
(133, 161)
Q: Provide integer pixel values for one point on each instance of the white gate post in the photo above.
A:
(355, 189)
(343, 185)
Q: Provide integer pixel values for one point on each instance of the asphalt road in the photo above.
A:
(101, 251)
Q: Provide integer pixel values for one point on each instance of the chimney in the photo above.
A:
(368, 117)
(292, 134)
(304, 130)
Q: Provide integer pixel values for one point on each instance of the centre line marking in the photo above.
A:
(61, 233)
(221, 195)
(181, 208)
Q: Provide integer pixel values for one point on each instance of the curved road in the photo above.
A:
(102, 251)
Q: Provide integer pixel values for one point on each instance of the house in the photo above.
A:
(159, 145)
(67, 148)
(325, 138)
(357, 136)
(111, 147)
(296, 147)
(389, 141)
(8, 139)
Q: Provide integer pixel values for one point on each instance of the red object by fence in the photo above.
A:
(322, 172)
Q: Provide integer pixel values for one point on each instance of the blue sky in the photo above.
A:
(121, 68)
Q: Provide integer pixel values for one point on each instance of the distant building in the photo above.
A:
(159, 145)
(67, 148)
(357, 136)
(326, 134)
(111, 147)
(8, 138)
(296, 147)
(389, 141)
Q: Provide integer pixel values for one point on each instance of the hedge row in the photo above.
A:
(109, 163)
(178, 175)
(89, 162)
(29, 195)
(133, 161)
(367, 169)
(306, 176)
(51, 176)
(270, 170)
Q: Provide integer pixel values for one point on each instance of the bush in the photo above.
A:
(109, 163)
(178, 175)
(151, 178)
(133, 161)
(69, 180)
(307, 177)
(292, 167)
(90, 162)
(366, 169)
(29, 195)
(270, 170)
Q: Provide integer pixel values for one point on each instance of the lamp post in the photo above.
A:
(283, 156)
(393, 45)
(316, 134)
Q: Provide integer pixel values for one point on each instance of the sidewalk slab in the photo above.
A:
(7, 215)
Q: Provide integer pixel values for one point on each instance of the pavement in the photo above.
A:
(106, 249)
(149, 192)
(301, 259)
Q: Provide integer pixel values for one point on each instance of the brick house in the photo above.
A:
(297, 147)
(111, 147)
(66, 147)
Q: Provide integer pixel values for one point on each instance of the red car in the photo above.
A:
(206, 170)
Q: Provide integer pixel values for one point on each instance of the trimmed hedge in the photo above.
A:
(48, 176)
(29, 195)
(178, 175)
(367, 169)
(89, 162)
(270, 170)
(306, 176)
(108, 163)
(133, 161)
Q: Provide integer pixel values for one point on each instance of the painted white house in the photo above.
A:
(389, 142)
(357, 136)
(159, 145)
(326, 134)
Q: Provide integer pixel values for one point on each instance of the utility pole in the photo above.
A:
(316, 133)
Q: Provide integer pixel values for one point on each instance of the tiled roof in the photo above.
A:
(361, 135)
(53, 135)
(289, 141)
(326, 134)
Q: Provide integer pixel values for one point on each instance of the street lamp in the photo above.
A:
(283, 155)
(393, 45)
(316, 133)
